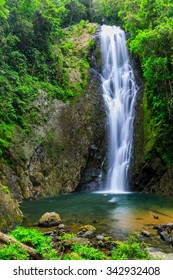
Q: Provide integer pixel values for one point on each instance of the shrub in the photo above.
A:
(131, 250)
(13, 252)
(36, 239)
(88, 253)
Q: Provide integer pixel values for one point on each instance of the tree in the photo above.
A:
(75, 11)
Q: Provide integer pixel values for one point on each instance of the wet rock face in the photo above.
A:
(60, 151)
(64, 149)
(10, 214)
(150, 174)
(148, 171)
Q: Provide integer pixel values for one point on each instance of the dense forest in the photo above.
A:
(36, 55)
(32, 57)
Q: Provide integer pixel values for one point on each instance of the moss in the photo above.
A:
(4, 188)
(157, 136)
(10, 214)
(149, 136)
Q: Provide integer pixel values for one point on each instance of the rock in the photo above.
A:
(100, 237)
(91, 179)
(168, 225)
(107, 238)
(62, 226)
(101, 244)
(165, 236)
(87, 228)
(89, 234)
(155, 216)
(159, 228)
(145, 233)
(10, 213)
(161, 255)
(48, 233)
(64, 139)
(87, 231)
(62, 229)
(110, 245)
(75, 240)
(49, 219)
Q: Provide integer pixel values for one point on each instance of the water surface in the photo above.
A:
(114, 214)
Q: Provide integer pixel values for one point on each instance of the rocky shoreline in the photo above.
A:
(160, 243)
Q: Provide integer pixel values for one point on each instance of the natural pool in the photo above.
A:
(113, 214)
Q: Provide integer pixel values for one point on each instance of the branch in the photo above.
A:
(8, 240)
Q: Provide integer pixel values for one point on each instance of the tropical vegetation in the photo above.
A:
(49, 250)
(36, 52)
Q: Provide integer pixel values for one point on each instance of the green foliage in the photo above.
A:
(67, 236)
(151, 40)
(88, 253)
(36, 54)
(57, 91)
(36, 239)
(3, 10)
(106, 12)
(149, 23)
(5, 189)
(72, 256)
(75, 11)
(131, 249)
(13, 252)
(6, 135)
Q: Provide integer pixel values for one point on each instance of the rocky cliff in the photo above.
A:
(149, 172)
(62, 151)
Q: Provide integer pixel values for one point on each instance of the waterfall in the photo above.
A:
(119, 91)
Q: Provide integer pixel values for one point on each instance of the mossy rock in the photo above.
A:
(87, 228)
(75, 240)
(10, 214)
(49, 219)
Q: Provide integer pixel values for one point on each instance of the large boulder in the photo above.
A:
(49, 219)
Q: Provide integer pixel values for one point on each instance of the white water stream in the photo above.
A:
(119, 91)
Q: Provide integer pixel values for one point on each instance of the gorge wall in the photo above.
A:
(149, 172)
(63, 151)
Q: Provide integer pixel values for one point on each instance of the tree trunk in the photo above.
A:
(8, 240)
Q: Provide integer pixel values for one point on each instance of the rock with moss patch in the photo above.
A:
(88, 234)
(87, 231)
(87, 228)
(49, 219)
(75, 240)
(10, 213)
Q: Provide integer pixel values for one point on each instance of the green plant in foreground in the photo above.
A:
(13, 252)
(67, 236)
(72, 256)
(131, 249)
(36, 239)
(88, 253)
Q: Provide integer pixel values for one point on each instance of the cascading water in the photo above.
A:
(119, 91)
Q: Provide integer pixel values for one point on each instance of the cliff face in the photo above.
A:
(10, 213)
(62, 151)
(53, 156)
(149, 171)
